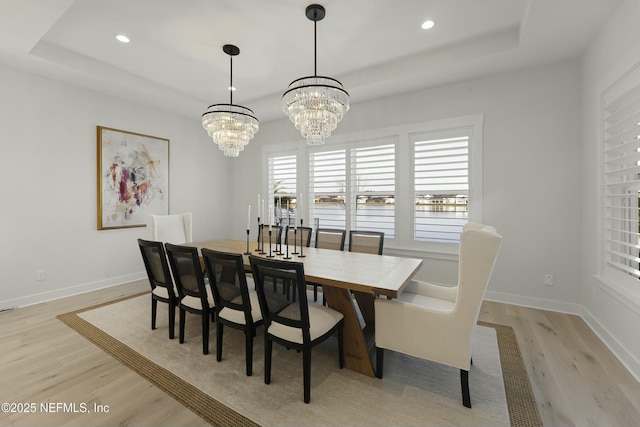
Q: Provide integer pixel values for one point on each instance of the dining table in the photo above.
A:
(350, 283)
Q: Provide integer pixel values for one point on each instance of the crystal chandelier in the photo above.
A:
(315, 104)
(230, 126)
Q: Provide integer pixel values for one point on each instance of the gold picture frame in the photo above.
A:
(133, 178)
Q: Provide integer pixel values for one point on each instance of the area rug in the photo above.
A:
(413, 392)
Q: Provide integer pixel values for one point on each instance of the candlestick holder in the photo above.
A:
(278, 246)
(295, 241)
(287, 253)
(247, 252)
(259, 249)
(270, 254)
(302, 255)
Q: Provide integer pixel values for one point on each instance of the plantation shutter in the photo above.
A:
(373, 189)
(441, 185)
(282, 188)
(328, 181)
(621, 168)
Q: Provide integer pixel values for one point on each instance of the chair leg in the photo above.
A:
(205, 332)
(306, 367)
(219, 331)
(248, 338)
(268, 347)
(464, 382)
(379, 361)
(315, 292)
(183, 315)
(154, 309)
(172, 321)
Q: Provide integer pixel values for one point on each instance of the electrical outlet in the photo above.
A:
(40, 275)
(548, 279)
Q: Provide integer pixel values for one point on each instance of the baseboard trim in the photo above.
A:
(534, 302)
(625, 357)
(69, 291)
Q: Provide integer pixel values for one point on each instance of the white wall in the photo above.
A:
(612, 311)
(531, 172)
(48, 187)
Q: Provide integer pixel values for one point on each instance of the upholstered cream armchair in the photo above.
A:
(436, 322)
(175, 229)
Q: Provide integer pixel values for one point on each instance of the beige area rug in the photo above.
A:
(413, 392)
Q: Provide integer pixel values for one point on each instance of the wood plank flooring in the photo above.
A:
(576, 380)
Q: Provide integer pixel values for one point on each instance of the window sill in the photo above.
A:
(432, 253)
(622, 292)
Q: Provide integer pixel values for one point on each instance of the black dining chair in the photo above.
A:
(299, 325)
(162, 289)
(195, 295)
(276, 234)
(328, 238)
(236, 304)
(369, 242)
(302, 235)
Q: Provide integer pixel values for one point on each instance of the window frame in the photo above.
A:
(624, 87)
(403, 243)
(349, 194)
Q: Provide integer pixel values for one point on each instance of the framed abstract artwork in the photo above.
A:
(133, 178)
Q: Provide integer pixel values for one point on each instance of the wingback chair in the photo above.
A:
(437, 322)
(175, 229)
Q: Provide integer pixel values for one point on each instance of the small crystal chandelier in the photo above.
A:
(315, 104)
(231, 126)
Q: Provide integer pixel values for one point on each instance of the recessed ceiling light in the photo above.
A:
(426, 25)
(122, 38)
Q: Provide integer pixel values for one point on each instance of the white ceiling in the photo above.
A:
(375, 48)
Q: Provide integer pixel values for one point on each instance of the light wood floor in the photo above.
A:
(576, 380)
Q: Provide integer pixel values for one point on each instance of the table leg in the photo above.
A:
(356, 352)
(365, 302)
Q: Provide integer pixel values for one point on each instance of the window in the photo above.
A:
(328, 178)
(354, 188)
(282, 188)
(418, 183)
(621, 175)
(441, 185)
(373, 172)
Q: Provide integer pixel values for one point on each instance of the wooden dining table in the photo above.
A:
(343, 275)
